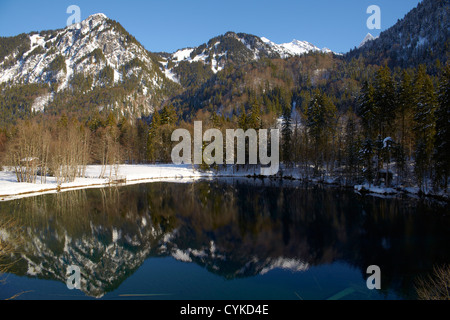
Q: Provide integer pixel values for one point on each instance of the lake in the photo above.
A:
(220, 239)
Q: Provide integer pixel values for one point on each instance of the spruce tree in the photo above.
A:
(243, 120)
(215, 120)
(321, 115)
(254, 119)
(168, 115)
(351, 145)
(111, 120)
(424, 123)
(366, 158)
(152, 140)
(405, 111)
(366, 109)
(442, 138)
(286, 136)
(384, 101)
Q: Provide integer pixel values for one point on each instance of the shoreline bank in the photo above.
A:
(10, 189)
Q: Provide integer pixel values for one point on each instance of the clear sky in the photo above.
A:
(162, 25)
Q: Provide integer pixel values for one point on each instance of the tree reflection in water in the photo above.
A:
(235, 229)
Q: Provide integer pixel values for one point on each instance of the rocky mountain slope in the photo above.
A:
(101, 53)
(235, 49)
(421, 37)
(101, 66)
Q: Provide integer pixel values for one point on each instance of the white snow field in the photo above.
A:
(11, 189)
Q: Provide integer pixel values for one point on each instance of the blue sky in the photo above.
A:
(162, 25)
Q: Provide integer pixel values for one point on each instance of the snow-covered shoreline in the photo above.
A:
(10, 189)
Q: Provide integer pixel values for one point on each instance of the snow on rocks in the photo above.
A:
(375, 189)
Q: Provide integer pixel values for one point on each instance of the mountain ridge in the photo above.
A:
(106, 68)
(40, 44)
(97, 52)
(367, 38)
(231, 48)
(421, 37)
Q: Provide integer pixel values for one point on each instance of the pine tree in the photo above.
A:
(424, 123)
(384, 101)
(152, 140)
(126, 139)
(405, 111)
(366, 108)
(321, 116)
(243, 120)
(286, 136)
(352, 142)
(366, 158)
(168, 115)
(111, 120)
(140, 138)
(378, 152)
(442, 138)
(399, 156)
(215, 120)
(254, 119)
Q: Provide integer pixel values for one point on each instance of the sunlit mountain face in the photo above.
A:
(233, 230)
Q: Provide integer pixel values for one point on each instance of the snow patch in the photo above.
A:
(183, 54)
(115, 235)
(375, 189)
(368, 37)
(293, 265)
(180, 255)
(41, 102)
(293, 48)
(37, 40)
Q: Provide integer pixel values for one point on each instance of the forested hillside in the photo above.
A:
(421, 37)
(377, 115)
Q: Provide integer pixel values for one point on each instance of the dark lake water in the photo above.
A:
(220, 239)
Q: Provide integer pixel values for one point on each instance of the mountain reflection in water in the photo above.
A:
(235, 229)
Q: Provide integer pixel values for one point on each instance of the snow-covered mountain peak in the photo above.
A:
(97, 52)
(90, 22)
(97, 16)
(301, 43)
(97, 43)
(232, 48)
(296, 47)
(293, 48)
(368, 37)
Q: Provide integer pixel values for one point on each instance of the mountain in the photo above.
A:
(57, 56)
(294, 48)
(421, 37)
(192, 66)
(98, 65)
(230, 48)
(100, 53)
(195, 65)
(368, 37)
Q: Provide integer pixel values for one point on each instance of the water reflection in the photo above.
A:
(235, 229)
